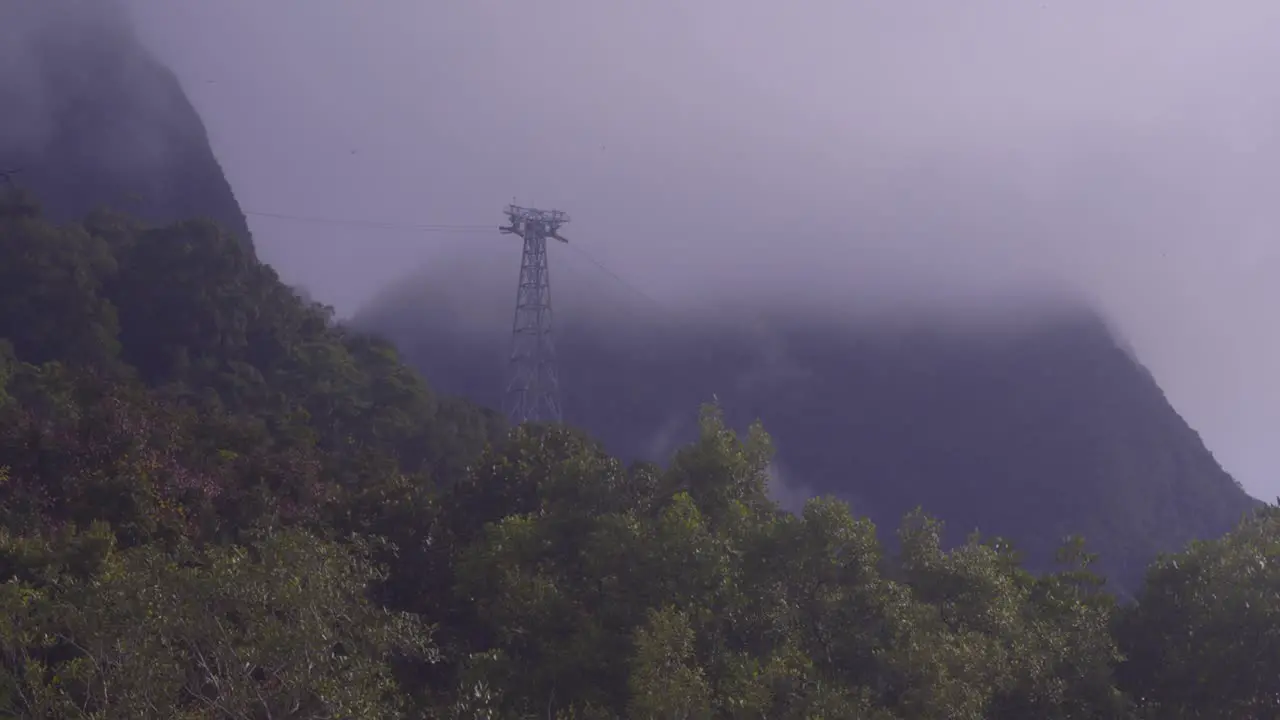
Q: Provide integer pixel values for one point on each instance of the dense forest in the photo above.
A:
(217, 502)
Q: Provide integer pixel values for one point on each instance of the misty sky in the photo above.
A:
(821, 152)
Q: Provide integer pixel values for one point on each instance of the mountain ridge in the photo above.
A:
(216, 500)
(97, 120)
(1031, 430)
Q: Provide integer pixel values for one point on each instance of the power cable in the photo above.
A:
(618, 278)
(385, 225)
(452, 228)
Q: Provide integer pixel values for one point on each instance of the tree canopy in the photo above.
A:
(216, 502)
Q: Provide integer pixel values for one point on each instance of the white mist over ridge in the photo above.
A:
(30, 33)
(786, 157)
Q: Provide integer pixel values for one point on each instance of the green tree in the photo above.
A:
(54, 305)
(1203, 640)
(666, 681)
(280, 628)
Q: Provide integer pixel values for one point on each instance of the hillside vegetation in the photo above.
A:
(216, 503)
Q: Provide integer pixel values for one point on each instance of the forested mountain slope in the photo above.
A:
(1032, 429)
(217, 503)
(91, 118)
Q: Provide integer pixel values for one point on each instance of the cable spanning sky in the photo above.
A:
(821, 152)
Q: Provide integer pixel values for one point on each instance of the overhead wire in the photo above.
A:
(616, 277)
(382, 224)
(449, 228)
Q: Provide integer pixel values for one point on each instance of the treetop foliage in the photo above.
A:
(215, 502)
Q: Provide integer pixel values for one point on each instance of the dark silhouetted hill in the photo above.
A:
(92, 119)
(1031, 430)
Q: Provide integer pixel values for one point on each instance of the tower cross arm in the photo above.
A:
(532, 392)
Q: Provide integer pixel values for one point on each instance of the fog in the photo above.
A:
(28, 31)
(822, 155)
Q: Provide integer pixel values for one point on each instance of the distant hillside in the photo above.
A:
(1032, 431)
(91, 119)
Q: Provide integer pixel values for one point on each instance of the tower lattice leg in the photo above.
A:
(533, 387)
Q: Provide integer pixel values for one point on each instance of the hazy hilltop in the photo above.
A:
(1029, 425)
(91, 118)
(216, 501)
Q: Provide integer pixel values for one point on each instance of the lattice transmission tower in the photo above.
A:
(533, 386)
